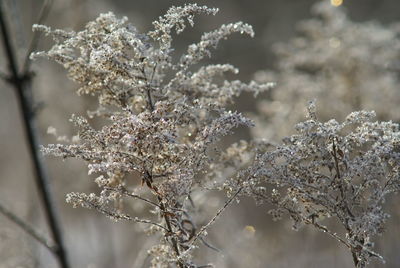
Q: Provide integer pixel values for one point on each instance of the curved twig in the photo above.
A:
(28, 229)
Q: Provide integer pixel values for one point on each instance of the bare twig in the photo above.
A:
(209, 245)
(219, 212)
(125, 192)
(116, 215)
(44, 12)
(169, 228)
(28, 229)
(149, 99)
(21, 83)
(148, 87)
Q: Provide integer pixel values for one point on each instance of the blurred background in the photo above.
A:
(364, 54)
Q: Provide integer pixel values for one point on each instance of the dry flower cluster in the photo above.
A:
(165, 119)
(339, 170)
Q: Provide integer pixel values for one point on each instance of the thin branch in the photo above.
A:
(125, 192)
(136, 219)
(148, 87)
(21, 85)
(209, 245)
(44, 12)
(327, 231)
(164, 212)
(335, 236)
(116, 215)
(219, 212)
(149, 99)
(169, 228)
(195, 228)
(28, 229)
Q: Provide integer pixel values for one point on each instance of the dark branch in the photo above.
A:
(21, 83)
(28, 229)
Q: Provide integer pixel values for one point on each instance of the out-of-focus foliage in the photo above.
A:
(345, 66)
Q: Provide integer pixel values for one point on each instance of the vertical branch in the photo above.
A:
(148, 179)
(169, 227)
(149, 99)
(21, 83)
(148, 89)
(355, 258)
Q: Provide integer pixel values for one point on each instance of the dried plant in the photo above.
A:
(340, 170)
(344, 65)
(165, 119)
(330, 170)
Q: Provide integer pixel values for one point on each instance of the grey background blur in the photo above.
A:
(95, 241)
